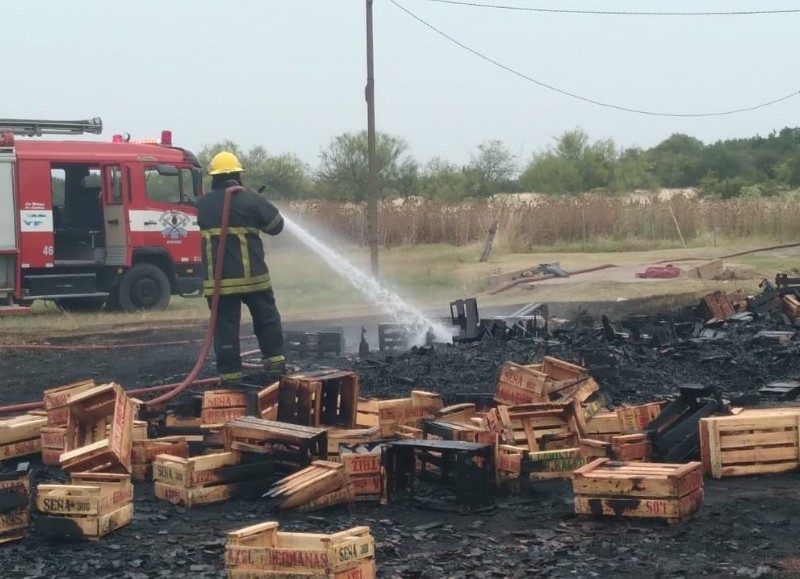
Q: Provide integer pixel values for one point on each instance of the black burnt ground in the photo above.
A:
(746, 528)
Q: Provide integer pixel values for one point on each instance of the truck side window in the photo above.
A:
(162, 187)
(116, 186)
(58, 182)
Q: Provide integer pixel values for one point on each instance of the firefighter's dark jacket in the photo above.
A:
(244, 269)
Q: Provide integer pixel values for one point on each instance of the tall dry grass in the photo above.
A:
(584, 221)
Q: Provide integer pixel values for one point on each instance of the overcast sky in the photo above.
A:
(290, 74)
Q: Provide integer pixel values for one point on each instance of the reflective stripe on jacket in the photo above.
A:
(243, 269)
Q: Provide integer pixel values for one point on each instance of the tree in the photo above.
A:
(677, 161)
(444, 180)
(491, 169)
(343, 168)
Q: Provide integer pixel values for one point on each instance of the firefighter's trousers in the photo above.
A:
(266, 326)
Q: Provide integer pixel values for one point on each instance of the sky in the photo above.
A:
(290, 74)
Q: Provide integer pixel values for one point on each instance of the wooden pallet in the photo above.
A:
(638, 489)
(389, 415)
(757, 441)
(290, 446)
(263, 551)
(14, 505)
(93, 505)
(99, 430)
(221, 406)
(322, 484)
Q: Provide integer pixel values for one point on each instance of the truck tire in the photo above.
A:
(143, 287)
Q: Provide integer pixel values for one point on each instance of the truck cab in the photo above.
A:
(87, 223)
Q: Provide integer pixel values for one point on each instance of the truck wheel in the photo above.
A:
(81, 304)
(143, 287)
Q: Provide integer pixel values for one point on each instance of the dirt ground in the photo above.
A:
(747, 527)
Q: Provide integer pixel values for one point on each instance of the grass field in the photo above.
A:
(430, 277)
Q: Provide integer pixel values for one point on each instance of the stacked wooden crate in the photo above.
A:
(14, 504)
(144, 452)
(634, 419)
(338, 437)
(261, 551)
(631, 447)
(54, 434)
(550, 380)
(755, 441)
(327, 397)
(99, 431)
(21, 435)
(221, 406)
(93, 505)
(207, 479)
(363, 466)
(603, 425)
(390, 415)
(638, 489)
(320, 485)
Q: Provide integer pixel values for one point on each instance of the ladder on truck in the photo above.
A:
(37, 127)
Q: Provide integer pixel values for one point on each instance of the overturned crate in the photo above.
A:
(99, 431)
(636, 418)
(21, 435)
(53, 441)
(261, 551)
(552, 379)
(390, 415)
(757, 441)
(221, 406)
(55, 401)
(290, 446)
(327, 397)
(638, 489)
(14, 504)
(212, 478)
(93, 505)
(320, 485)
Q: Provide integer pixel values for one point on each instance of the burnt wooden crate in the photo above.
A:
(466, 432)
(791, 306)
(552, 379)
(363, 464)
(638, 489)
(21, 435)
(53, 441)
(757, 441)
(55, 401)
(144, 452)
(603, 425)
(93, 505)
(539, 427)
(392, 338)
(389, 415)
(314, 343)
(631, 447)
(221, 406)
(327, 397)
(99, 430)
(211, 478)
(350, 437)
(320, 485)
(406, 432)
(463, 412)
(516, 466)
(466, 467)
(636, 418)
(290, 446)
(263, 551)
(14, 504)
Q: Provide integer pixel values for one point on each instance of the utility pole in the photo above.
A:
(372, 179)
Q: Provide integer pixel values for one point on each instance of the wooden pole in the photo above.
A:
(372, 179)
(487, 245)
(678, 227)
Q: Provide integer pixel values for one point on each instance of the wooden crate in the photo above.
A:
(631, 447)
(538, 427)
(638, 489)
(55, 401)
(99, 430)
(21, 435)
(350, 437)
(290, 446)
(267, 402)
(328, 397)
(552, 379)
(636, 418)
(208, 479)
(93, 505)
(389, 415)
(263, 551)
(363, 466)
(14, 505)
(144, 452)
(758, 441)
(318, 343)
(53, 441)
(464, 431)
(603, 425)
(321, 484)
(221, 406)
(515, 462)
(791, 306)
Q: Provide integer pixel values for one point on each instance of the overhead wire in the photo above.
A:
(581, 97)
(615, 12)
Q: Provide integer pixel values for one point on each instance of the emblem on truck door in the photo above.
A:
(174, 225)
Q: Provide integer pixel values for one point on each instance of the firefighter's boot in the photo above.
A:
(275, 368)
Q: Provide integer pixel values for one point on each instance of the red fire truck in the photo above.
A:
(88, 223)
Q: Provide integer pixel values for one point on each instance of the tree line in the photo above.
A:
(573, 164)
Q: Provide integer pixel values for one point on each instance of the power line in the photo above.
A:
(614, 12)
(583, 98)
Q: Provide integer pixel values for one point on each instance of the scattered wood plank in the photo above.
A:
(311, 484)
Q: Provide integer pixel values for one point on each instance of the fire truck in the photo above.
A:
(89, 223)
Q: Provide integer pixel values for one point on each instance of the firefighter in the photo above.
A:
(245, 276)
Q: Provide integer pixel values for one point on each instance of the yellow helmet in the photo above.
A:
(224, 162)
